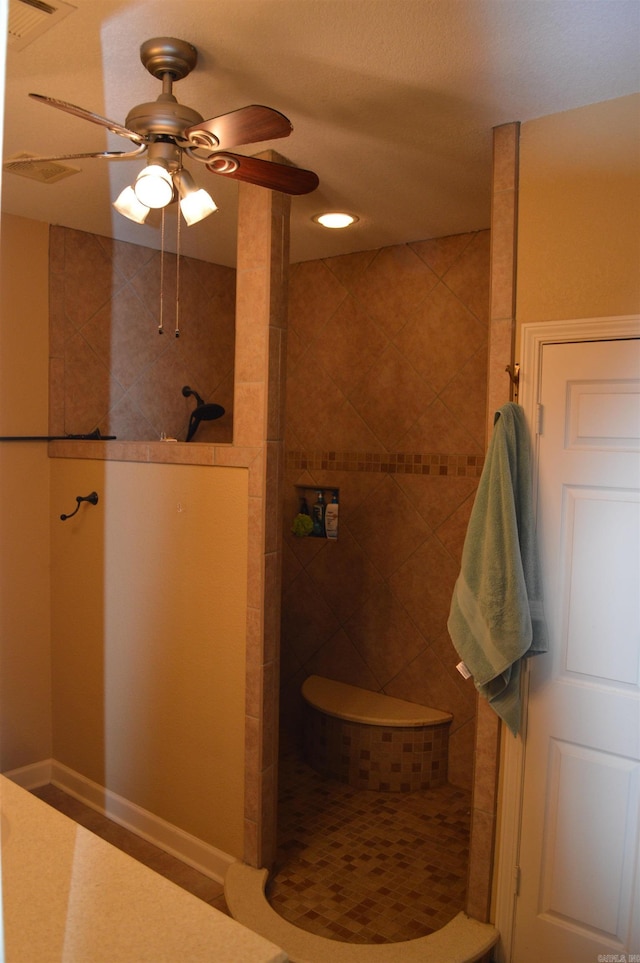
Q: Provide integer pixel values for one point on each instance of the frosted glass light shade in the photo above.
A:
(196, 206)
(154, 186)
(195, 203)
(128, 204)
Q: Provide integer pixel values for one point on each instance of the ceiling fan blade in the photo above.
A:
(14, 162)
(248, 125)
(111, 125)
(276, 177)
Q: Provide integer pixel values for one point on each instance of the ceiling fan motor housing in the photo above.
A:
(162, 116)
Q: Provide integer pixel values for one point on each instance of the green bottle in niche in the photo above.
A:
(331, 517)
(317, 516)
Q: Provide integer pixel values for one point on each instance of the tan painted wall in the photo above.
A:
(579, 213)
(142, 611)
(148, 630)
(579, 223)
(25, 678)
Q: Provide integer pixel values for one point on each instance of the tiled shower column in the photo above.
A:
(504, 227)
(504, 214)
(261, 319)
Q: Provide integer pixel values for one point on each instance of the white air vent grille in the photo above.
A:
(46, 172)
(29, 19)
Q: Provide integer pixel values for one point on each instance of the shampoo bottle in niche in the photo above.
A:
(331, 517)
(317, 515)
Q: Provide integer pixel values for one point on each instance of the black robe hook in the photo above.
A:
(93, 498)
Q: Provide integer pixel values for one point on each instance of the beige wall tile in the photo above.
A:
(120, 374)
(385, 362)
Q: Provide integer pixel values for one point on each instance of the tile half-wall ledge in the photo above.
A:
(161, 452)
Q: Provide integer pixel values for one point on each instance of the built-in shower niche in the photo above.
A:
(317, 512)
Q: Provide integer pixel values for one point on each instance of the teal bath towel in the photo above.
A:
(496, 617)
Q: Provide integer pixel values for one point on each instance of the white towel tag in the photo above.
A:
(462, 669)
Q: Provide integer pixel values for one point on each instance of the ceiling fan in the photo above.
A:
(166, 131)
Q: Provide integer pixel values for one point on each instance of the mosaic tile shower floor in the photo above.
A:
(368, 867)
(353, 865)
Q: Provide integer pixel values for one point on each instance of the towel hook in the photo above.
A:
(92, 497)
(513, 370)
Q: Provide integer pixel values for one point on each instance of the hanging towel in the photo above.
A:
(496, 617)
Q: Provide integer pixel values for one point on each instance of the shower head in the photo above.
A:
(201, 412)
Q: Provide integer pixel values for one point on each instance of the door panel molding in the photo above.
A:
(534, 336)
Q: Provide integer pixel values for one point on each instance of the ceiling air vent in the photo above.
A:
(47, 172)
(29, 19)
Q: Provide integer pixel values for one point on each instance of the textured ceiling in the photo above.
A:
(392, 103)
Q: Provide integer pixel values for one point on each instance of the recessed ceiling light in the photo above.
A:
(335, 219)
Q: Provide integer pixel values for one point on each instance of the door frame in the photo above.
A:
(534, 336)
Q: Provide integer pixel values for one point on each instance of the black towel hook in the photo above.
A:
(92, 497)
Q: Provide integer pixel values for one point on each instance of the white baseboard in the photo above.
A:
(189, 849)
(33, 776)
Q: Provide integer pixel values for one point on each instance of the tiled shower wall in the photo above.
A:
(110, 368)
(386, 394)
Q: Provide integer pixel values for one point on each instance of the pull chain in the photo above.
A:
(178, 277)
(160, 324)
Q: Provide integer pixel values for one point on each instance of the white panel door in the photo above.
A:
(579, 854)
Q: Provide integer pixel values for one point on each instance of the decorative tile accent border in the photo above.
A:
(400, 462)
(382, 758)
